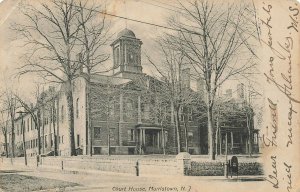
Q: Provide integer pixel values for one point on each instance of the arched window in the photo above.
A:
(62, 113)
(117, 56)
(77, 108)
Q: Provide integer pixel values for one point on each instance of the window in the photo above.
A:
(111, 108)
(62, 113)
(51, 137)
(28, 125)
(111, 134)
(181, 114)
(62, 139)
(190, 115)
(166, 136)
(78, 140)
(45, 141)
(117, 56)
(41, 141)
(130, 134)
(45, 121)
(97, 132)
(129, 109)
(77, 108)
(145, 108)
(255, 139)
(97, 150)
(190, 134)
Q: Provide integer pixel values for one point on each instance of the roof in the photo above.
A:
(109, 80)
(126, 33)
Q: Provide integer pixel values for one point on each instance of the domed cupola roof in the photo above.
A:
(126, 33)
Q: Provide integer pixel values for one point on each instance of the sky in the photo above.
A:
(151, 11)
(10, 51)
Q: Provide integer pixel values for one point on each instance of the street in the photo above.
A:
(107, 181)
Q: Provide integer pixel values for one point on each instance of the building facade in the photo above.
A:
(129, 114)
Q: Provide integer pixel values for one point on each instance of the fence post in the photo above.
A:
(137, 168)
(184, 163)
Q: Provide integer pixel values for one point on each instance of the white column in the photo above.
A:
(144, 137)
(121, 108)
(158, 139)
(141, 137)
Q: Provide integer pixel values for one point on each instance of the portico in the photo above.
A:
(149, 139)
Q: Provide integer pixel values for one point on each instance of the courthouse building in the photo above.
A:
(128, 114)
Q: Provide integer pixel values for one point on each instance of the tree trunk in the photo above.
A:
(12, 135)
(163, 137)
(217, 137)
(6, 144)
(54, 131)
(107, 125)
(57, 126)
(186, 134)
(177, 130)
(210, 133)
(24, 143)
(88, 118)
(71, 118)
(43, 128)
(38, 126)
(249, 135)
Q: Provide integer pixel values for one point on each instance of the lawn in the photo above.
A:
(10, 181)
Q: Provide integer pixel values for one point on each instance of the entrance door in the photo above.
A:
(151, 138)
(151, 142)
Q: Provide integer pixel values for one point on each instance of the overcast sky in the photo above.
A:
(151, 11)
(135, 9)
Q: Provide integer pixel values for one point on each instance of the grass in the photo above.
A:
(15, 182)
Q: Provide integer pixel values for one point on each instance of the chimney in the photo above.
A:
(240, 91)
(186, 78)
(228, 93)
(51, 88)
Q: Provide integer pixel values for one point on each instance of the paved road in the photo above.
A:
(106, 182)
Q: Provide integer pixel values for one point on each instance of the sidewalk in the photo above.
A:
(108, 181)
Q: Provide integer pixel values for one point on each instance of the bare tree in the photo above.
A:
(176, 89)
(212, 37)
(93, 37)
(10, 106)
(35, 114)
(52, 32)
(4, 129)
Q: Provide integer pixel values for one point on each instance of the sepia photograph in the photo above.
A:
(149, 95)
